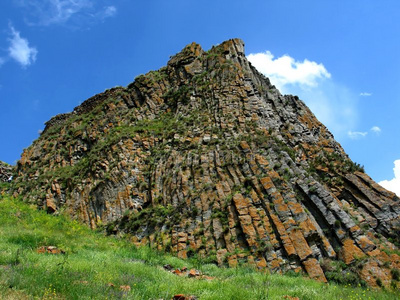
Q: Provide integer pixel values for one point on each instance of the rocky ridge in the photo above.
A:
(206, 157)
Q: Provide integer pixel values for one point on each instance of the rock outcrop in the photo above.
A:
(5, 172)
(206, 157)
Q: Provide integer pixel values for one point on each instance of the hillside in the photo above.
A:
(205, 157)
(86, 265)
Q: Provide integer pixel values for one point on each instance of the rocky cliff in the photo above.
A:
(206, 157)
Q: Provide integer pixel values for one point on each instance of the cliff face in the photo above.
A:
(205, 156)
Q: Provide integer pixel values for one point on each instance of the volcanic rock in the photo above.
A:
(206, 156)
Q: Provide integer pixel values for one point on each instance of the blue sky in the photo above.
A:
(340, 57)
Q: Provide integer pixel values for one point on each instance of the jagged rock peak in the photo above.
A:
(206, 156)
(230, 49)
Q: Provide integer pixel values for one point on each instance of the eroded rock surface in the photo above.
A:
(5, 172)
(206, 156)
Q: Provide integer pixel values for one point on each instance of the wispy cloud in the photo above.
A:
(286, 70)
(393, 184)
(365, 94)
(109, 11)
(19, 49)
(376, 129)
(49, 12)
(355, 135)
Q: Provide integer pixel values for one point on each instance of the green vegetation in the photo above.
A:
(339, 272)
(95, 267)
(150, 216)
(334, 162)
(179, 95)
(4, 186)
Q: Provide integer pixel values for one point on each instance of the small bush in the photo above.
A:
(346, 278)
(395, 274)
(379, 282)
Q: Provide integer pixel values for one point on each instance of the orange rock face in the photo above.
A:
(314, 269)
(350, 252)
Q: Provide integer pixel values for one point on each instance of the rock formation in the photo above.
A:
(5, 171)
(206, 157)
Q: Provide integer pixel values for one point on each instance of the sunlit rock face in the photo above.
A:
(206, 157)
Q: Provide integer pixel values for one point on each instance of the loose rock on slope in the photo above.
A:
(206, 156)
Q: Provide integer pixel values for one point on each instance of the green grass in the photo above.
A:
(93, 261)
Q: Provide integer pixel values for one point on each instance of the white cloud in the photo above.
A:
(19, 49)
(394, 184)
(48, 12)
(2, 61)
(356, 134)
(376, 129)
(286, 70)
(365, 94)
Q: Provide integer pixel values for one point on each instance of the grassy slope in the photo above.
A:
(92, 261)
